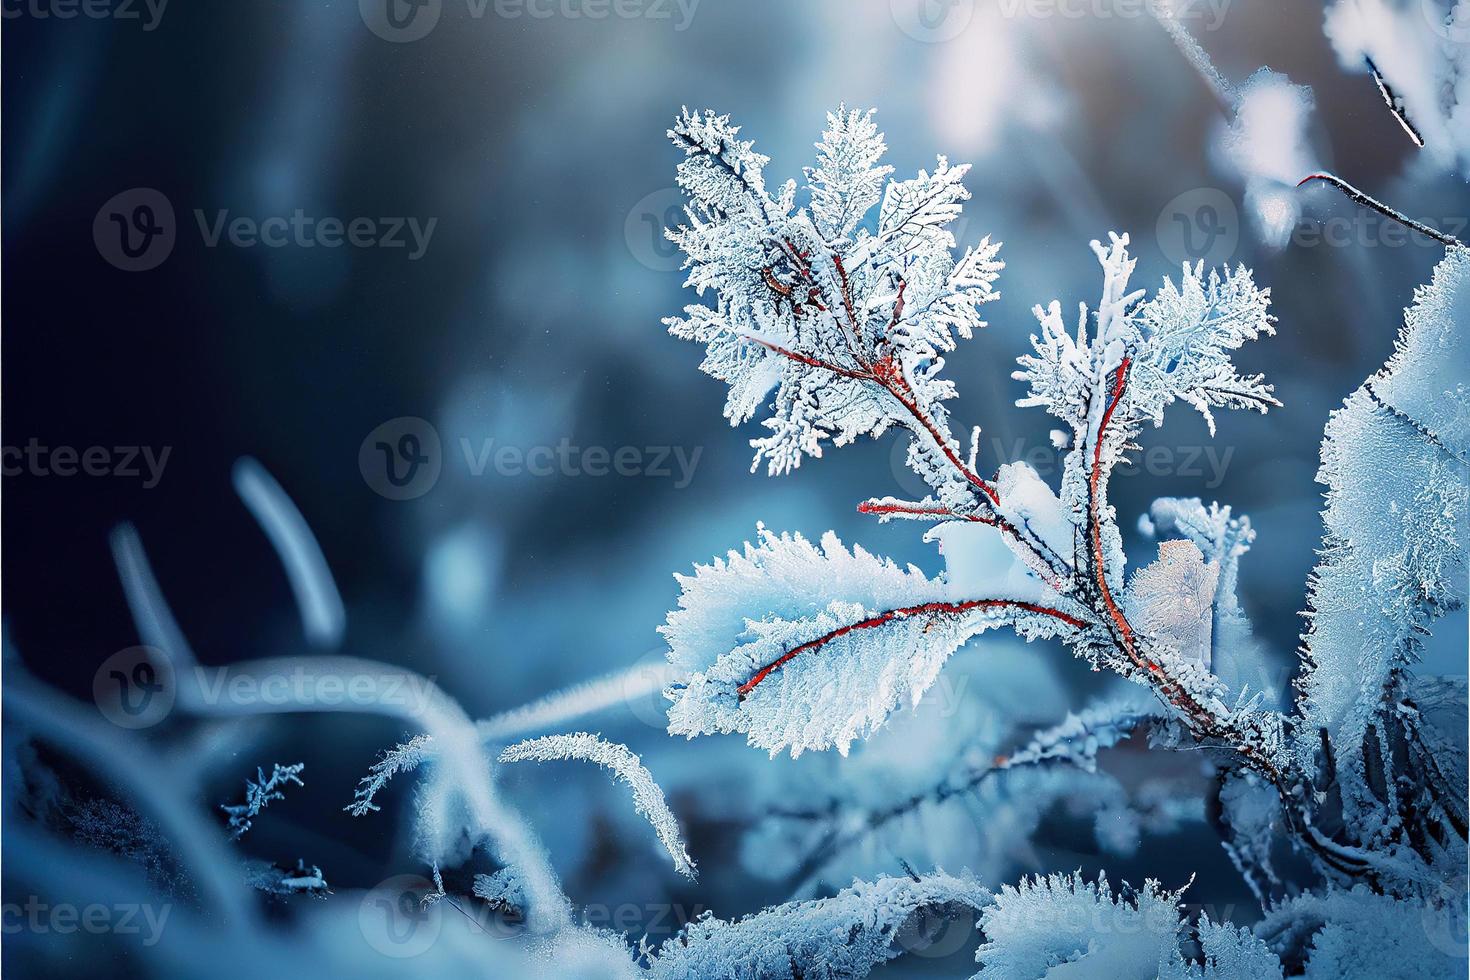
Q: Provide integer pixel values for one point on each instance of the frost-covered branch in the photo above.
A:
(648, 799)
(259, 792)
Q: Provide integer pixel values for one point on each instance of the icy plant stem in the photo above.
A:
(1368, 201)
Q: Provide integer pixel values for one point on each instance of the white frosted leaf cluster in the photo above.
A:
(837, 938)
(1178, 344)
(844, 316)
(1063, 926)
(1394, 463)
(648, 798)
(834, 641)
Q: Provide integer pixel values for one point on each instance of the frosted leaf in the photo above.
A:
(837, 938)
(1236, 656)
(1394, 463)
(919, 210)
(648, 799)
(1062, 926)
(804, 648)
(785, 575)
(1172, 600)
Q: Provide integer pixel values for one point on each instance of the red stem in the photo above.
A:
(951, 608)
(873, 507)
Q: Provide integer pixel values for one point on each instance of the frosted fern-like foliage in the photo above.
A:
(1079, 737)
(845, 321)
(1178, 344)
(648, 799)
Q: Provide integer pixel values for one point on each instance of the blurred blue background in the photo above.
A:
(535, 145)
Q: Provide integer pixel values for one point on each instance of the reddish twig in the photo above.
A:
(944, 513)
(1372, 203)
(928, 608)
